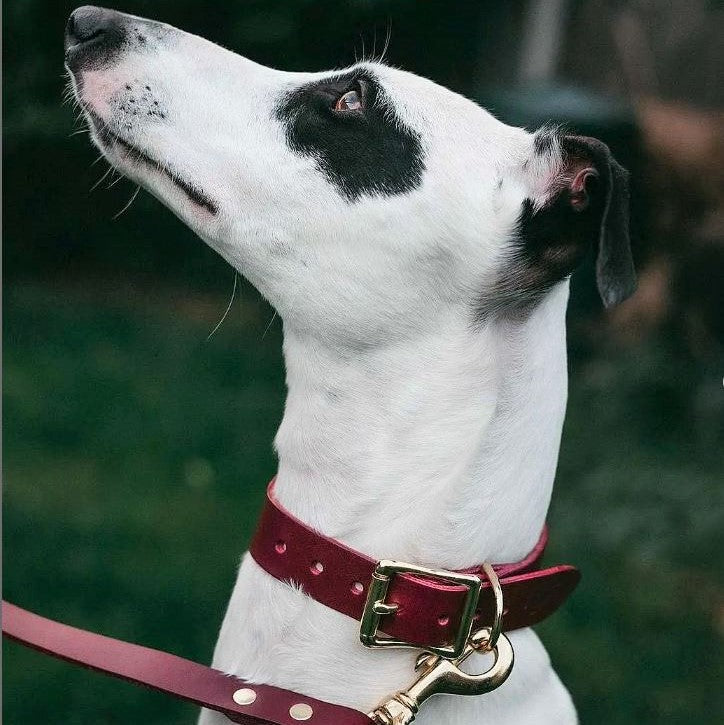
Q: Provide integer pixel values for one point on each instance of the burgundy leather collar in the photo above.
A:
(428, 611)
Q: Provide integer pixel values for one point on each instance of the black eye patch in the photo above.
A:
(366, 152)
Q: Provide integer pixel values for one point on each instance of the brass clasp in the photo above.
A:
(441, 676)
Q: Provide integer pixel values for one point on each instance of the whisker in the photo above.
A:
(228, 307)
(268, 327)
(115, 181)
(388, 38)
(102, 179)
(130, 201)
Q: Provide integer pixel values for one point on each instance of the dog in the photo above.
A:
(418, 252)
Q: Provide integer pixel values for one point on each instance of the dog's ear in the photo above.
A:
(582, 201)
(596, 182)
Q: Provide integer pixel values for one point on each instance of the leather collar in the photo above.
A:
(427, 611)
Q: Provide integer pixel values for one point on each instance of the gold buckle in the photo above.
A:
(376, 607)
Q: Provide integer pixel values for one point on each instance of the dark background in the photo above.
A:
(136, 450)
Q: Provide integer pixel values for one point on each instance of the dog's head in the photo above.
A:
(360, 202)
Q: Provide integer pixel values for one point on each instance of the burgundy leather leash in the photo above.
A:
(422, 610)
(168, 673)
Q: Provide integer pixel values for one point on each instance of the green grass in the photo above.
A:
(136, 454)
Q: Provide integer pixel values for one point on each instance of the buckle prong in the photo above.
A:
(381, 608)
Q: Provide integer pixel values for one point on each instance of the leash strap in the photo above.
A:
(427, 611)
(175, 676)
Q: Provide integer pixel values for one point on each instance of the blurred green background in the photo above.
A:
(136, 450)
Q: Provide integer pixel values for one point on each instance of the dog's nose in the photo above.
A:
(93, 31)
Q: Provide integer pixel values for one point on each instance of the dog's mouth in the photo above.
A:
(110, 140)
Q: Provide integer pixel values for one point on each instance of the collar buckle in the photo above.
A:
(377, 607)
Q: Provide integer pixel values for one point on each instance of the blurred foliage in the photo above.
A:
(133, 455)
(135, 450)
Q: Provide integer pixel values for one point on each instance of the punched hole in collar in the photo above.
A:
(280, 547)
(316, 568)
(443, 620)
(357, 588)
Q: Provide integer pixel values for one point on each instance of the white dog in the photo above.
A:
(418, 252)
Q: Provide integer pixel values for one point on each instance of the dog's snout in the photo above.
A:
(93, 32)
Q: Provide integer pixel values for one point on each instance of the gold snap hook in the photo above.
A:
(441, 676)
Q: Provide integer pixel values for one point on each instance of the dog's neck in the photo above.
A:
(439, 449)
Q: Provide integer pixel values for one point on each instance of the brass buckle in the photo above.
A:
(376, 607)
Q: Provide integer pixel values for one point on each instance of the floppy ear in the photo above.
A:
(581, 200)
(595, 181)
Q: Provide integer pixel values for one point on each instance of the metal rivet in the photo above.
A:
(357, 587)
(301, 711)
(244, 696)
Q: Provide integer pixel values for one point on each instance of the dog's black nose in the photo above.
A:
(93, 31)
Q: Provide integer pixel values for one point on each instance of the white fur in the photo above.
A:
(412, 430)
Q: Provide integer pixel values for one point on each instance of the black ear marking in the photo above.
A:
(588, 204)
(615, 273)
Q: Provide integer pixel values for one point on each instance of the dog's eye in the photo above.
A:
(350, 101)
